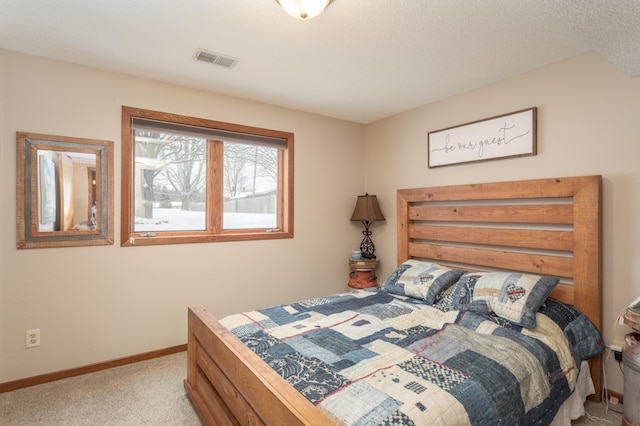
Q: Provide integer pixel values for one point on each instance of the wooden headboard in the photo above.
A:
(544, 226)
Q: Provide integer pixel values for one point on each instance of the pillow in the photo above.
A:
(512, 296)
(585, 340)
(420, 280)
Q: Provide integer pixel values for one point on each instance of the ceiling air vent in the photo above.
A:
(215, 58)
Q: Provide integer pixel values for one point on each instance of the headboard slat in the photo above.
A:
(557, 266)
(542, 213)
(544, 240)
(537, 188)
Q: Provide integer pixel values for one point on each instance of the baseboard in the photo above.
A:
(614, 394)
(72, 372)
(608, 393)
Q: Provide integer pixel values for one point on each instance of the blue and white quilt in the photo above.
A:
(370, 357)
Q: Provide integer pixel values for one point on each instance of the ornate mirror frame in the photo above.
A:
(32, 194)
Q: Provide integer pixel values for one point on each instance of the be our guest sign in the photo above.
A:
(508, 135)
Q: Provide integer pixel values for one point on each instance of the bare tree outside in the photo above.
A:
(249, 168)
(148, 148)
(187, 171)
(236, 161)
(173, 176)
(250, 185)
(178, 162)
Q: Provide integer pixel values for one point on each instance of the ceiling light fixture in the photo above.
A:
(304, 9)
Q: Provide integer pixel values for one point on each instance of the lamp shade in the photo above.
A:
(304, 9)
(367, 209)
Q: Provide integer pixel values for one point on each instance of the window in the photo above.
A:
(187, 180)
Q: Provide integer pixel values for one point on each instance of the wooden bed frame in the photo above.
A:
(546, 226)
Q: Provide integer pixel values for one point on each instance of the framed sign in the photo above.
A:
(508, 135)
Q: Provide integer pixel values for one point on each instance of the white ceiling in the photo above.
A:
(361, 60)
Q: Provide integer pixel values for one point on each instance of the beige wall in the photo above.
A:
(94, 304)
(98, 303)
(588, 123)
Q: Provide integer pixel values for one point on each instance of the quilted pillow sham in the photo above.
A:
(583, 336)
(512, 296)
(420, 280)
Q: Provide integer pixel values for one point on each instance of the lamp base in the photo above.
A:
(366, 246)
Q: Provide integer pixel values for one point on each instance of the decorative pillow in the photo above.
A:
(420, 280)
(514, 297)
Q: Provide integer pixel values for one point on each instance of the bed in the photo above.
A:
(545, 228)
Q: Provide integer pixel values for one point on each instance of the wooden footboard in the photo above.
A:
(229, 384)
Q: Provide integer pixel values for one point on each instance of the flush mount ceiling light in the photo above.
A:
(304, 9)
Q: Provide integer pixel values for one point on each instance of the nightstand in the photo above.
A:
(363, 273)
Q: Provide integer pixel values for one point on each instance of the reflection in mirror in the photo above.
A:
(67, 197)
(64, 191)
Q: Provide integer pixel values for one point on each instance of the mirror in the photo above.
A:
(64, 191)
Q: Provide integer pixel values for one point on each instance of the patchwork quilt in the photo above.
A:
(371, 357)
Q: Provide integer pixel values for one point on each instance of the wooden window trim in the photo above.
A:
(215, 233)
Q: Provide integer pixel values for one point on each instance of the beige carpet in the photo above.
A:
(601, 414)
(146, 393)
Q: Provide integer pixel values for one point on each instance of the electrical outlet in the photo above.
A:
(32, 338)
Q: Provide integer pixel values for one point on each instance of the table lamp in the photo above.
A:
(367, 211)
